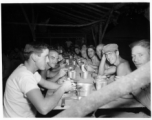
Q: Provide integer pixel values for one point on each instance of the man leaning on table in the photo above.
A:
(111, 53)
(140, 56)
(22, 96)
(104, 67)
(53, 76)
(49, 72)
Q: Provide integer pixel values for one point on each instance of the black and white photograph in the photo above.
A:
(75, 59)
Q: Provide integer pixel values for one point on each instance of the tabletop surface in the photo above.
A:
(118, 103)
(71, 98)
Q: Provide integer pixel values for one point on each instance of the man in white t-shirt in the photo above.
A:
(22, 96)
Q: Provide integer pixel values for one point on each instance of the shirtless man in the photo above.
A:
(140, 56)
(50, 74)
(104, 68)
(53, 76)
(111, 53)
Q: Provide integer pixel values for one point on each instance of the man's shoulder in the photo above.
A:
(123, 64)
(123, 68)
(22, 71)
(95, 58)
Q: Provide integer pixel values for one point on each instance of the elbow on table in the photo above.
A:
(44, 110)
(47, 106)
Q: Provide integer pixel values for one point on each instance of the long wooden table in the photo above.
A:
(118, 103)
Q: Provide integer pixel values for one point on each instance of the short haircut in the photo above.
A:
(76, 47)
(144, 43)
(83, 50)
(53, 50)
(34, 47)
(92, 47)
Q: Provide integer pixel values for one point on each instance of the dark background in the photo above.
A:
(92, 23)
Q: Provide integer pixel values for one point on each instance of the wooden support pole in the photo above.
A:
(129, 83)
(100, 33)
(93, 34)
(105, 28)
(31, 28)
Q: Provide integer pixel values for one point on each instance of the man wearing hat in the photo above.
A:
(111, 54)
(105, 68)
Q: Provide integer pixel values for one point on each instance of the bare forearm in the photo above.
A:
(49, 84)
(50, 102)
(54, 79)
(52, 74)
(56, 69)
(109, 71)
(47, 103)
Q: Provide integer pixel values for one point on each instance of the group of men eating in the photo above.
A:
(42, 67)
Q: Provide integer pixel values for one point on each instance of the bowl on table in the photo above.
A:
(84, 89)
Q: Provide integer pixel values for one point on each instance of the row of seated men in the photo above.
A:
(23, 97)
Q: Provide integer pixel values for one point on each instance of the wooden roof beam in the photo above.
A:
(92, 8)
(78, 12)
(69, 17)
(89, 10)
(78, 17)
(99, 5)
(64, 19)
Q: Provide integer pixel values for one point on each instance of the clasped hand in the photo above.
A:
(69, 85)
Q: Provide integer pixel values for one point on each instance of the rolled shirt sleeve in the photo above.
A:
(29, 82)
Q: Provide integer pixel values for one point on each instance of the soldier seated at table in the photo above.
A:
(77, 53)
(140, 55)
(84, 57)
(49, 73)
(111, 54)
(92, 55)
(93, 66)
(105, 68)
(53, 76)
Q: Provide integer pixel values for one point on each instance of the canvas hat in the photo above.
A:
(110, 48)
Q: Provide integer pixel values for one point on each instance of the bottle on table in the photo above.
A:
(100, 82)
(67, 61)
(84, 72)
